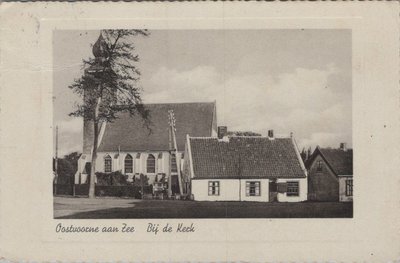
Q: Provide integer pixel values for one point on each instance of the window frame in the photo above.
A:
(153, 167)
(349, 187)
(319, 166)
(214, 188)
(107, 164)
(130, 160)
(290, 186)
(255, 185)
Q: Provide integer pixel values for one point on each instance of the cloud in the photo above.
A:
(303, 101)
(170, 85)
(324, 140)
(72, 125)
(69, 136)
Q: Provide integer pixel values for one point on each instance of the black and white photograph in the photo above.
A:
(202, 123)
(199, 131)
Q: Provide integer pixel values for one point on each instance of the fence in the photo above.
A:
(102, 190)
(63, 189)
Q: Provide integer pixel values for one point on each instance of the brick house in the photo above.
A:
(330, 174)
(126, 145)
(244, 168)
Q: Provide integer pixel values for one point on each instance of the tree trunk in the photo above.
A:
(94, 151)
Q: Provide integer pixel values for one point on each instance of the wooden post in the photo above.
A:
(178, 168)
(56, 164)
(170, 163)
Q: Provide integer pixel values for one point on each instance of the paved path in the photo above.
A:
(65, 207)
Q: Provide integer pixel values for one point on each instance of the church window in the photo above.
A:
(107, 164)
(151, 164)
(128, 164)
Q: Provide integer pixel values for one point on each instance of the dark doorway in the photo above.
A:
(273, 191)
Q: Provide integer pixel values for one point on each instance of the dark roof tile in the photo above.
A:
(130, 134)
(245, 157)
(339, 160)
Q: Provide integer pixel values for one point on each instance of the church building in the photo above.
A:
(128, 146)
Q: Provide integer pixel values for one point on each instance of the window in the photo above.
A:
(213, 188)
(349, 187)
(151, 164)
(292, 189)
(319, 166)
(128, 164)
(174, 168)
(253, 188)
(107, 164)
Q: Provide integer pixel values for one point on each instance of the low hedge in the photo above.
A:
(122, 191)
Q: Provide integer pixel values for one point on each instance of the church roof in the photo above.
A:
(130, 134)
(245, 157)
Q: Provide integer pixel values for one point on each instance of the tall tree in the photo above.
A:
(109, 85)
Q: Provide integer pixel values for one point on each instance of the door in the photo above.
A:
(273, 191)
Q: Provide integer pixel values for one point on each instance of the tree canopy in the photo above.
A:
(111, 78)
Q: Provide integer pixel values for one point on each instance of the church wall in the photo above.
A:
(139, 164)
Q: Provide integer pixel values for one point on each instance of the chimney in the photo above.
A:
(343, 146)
(271, 133)
(222, 131)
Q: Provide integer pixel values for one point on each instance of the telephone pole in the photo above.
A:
(173, 147)
(56, 164)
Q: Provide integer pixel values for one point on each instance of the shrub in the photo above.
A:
(108, 179)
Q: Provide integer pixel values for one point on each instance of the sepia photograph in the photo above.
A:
(199, 131)
(202, 123)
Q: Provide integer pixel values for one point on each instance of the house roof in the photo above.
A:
(340, 161)
(245, 157)
(130, 134)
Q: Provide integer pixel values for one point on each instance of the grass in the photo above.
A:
(112, 208)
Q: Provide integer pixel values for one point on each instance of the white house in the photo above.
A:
(128, 146)
(242, 168)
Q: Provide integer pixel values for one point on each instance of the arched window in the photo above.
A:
(128, 164)
(107, 164)
(151, 164)
(173, 164)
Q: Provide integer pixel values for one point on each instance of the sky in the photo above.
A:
(286, 80)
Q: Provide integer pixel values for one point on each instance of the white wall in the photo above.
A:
(139, 165)
(282, 197)
(230, 190)
(342, 189)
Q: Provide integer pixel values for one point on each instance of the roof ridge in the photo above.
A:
(176, 103)
(199, 137)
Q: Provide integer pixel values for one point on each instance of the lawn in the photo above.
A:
(102, 208)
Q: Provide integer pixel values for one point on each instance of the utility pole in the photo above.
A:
(170, 162)
(56, 163)
(172, 130)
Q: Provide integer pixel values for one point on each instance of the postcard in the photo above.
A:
(200, 132)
